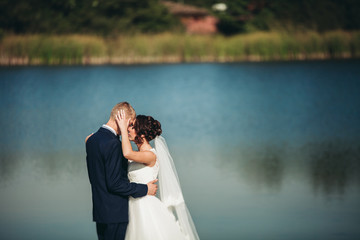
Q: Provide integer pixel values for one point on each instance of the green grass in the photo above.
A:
(72, 49)
(168, 47)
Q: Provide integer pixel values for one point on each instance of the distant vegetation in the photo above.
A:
(150, 16)
(84, 16)
(286, 15)
(170, 47)
(132, 31)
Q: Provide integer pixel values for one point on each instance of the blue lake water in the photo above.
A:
(263, 150)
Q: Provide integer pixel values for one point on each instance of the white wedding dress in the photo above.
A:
(149, 218)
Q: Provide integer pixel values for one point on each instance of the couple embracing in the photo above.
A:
(123, 181)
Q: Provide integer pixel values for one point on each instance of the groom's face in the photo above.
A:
(131, 130)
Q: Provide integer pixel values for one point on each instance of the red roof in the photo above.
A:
(184, 10)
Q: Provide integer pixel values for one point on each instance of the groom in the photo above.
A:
(107, 169)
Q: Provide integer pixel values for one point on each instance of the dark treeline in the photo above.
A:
(288, 15)
(150, 16)
(84, 16)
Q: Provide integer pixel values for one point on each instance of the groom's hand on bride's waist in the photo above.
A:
(152, 187)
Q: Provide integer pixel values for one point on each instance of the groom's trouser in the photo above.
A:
(111, 231)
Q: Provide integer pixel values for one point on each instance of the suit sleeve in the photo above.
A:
(115, 182)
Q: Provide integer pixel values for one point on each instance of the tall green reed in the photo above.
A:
(70, 49)
(167, 47)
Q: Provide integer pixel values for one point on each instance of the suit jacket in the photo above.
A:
(110, 186)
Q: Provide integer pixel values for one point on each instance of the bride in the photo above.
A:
(150, 217)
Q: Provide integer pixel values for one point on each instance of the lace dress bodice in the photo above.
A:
(140, 173)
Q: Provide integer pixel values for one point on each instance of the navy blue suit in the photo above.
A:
(107, 169)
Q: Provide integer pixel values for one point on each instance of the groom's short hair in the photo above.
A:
(129, 110)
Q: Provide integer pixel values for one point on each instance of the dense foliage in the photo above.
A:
(150, 16)
(84, 16)
(289, 15)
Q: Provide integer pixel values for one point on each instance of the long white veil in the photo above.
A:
(170, 190)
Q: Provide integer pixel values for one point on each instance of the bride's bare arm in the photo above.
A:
(146, 157)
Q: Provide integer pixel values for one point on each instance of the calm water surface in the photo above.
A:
(263, 150)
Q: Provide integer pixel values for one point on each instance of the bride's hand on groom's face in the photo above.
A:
(121, 120)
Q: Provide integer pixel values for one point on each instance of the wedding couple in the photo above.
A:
(123, 181)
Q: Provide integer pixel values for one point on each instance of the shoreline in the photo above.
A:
(29, 50)
(98, 61)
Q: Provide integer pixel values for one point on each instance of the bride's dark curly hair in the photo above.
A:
(147, 127)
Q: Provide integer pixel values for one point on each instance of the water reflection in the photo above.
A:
(9, 162)
(264, 168)
(48, 166)
(332, 166)
(329, 167)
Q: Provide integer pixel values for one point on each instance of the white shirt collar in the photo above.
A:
(110, 129)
